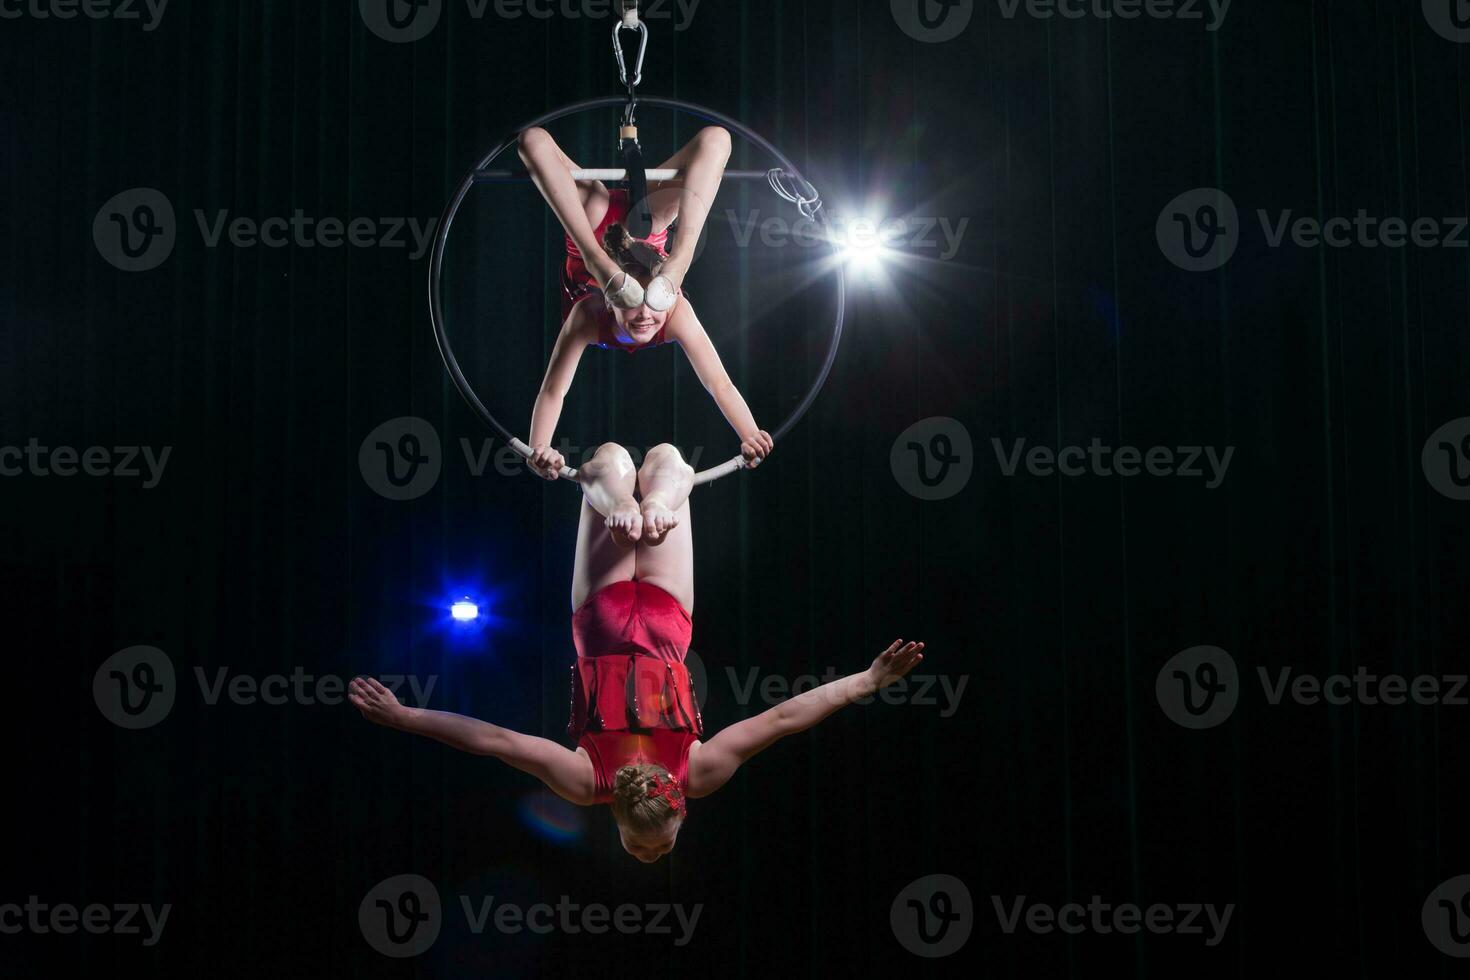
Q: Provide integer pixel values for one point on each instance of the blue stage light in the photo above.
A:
(464, 611)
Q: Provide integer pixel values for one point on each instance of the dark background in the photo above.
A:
(264, 550)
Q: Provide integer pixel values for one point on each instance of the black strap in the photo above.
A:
(640, 211)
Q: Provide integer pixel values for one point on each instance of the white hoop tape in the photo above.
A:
(707, 476)
(514, 176)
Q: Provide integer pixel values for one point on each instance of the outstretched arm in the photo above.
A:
(713, 763)
(684, 326)
(565, 356)
(565, 773)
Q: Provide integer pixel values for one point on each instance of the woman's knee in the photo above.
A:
(612, 451)
(714, 138)
(666, 454)
(533, 139)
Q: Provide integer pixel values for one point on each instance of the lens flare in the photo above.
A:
(552, 818)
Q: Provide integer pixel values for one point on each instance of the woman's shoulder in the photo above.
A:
(682, 321)
(585, 321)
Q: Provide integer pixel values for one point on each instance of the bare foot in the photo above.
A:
(658, 520)
(625, 523)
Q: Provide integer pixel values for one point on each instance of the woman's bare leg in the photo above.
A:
(670, 565)
(551, 169)
(664, 483)
(608, 480)
(600, 560)
(610, 523)
(691, 197)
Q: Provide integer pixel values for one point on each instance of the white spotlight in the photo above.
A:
(863, 249)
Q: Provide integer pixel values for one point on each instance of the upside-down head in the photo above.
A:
(638, 259)
(648, 804)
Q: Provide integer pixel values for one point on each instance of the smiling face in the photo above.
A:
(638, 259)
(650, 845)
(641, 323)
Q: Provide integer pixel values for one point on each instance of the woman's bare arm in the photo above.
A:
(713, 763)
(560, 370)
(566, 773)
(684, 326)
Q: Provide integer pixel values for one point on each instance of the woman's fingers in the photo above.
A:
(757, 447)
(546, 462)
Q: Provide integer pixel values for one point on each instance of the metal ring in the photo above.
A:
(436, 269)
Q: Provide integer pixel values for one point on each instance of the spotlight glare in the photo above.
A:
(864, 250)
(866, 258)
(464, 611)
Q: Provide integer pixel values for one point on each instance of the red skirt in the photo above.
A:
(632, 638)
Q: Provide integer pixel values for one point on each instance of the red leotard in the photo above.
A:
(632, 699)
(578, 283)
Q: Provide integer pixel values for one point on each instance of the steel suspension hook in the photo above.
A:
(630, 22)
(640, 215)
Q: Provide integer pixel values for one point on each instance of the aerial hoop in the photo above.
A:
(785, 180)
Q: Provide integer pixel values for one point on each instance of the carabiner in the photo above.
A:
(642, 30)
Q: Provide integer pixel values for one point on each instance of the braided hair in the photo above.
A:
(646, 797)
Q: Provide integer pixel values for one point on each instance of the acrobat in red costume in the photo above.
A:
(634, 715)
(623, 293)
